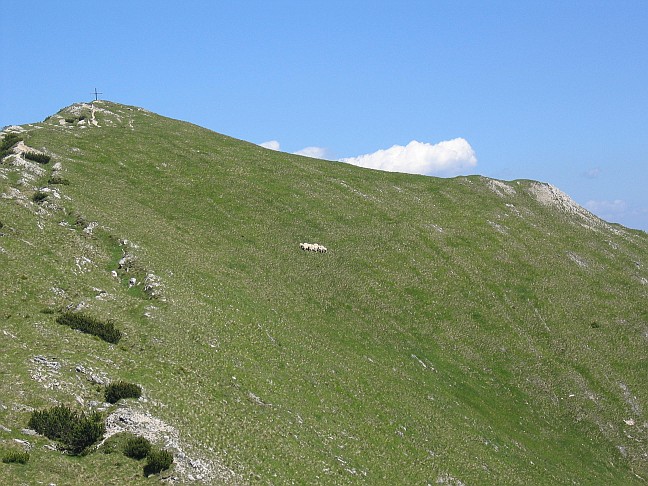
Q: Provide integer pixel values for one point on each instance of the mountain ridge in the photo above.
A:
(439, 305)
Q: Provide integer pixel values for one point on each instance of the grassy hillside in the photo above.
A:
(457, 331)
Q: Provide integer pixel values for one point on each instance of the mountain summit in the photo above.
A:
(455, 331)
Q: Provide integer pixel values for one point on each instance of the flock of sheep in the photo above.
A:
(313, 247)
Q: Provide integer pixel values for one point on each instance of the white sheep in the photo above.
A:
(313, 247)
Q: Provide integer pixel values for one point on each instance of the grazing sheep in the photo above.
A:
(316, 247)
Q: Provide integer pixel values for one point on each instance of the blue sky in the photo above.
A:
(554, 91)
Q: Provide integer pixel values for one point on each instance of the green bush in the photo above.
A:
(37, 157)
(122, 389)
(157, 461)
(39, 197)
(7, 143)
(9, 140)
(76, 431)
(90, 325)
(18, 457)
(137, 448)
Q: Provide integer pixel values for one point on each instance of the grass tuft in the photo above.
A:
(55, 179)
(15, 457)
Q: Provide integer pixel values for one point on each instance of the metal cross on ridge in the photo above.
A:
(96, 94)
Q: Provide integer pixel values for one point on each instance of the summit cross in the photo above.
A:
(96, 94)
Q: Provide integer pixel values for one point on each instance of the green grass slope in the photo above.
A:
(457, 331)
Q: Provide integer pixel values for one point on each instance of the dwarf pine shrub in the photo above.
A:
(157, 461)
(76, 431)
(37, 157)
(7, 143)
(39, 197)
(137, 448)
(122, 389)
(9, 140)
(17, 457)
(90, 325)
(74, 119)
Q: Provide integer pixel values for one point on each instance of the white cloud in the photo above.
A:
(271, 144)
(592, 173)
(447, 158)
(619, 211)
(314, 152)
(606, 208)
